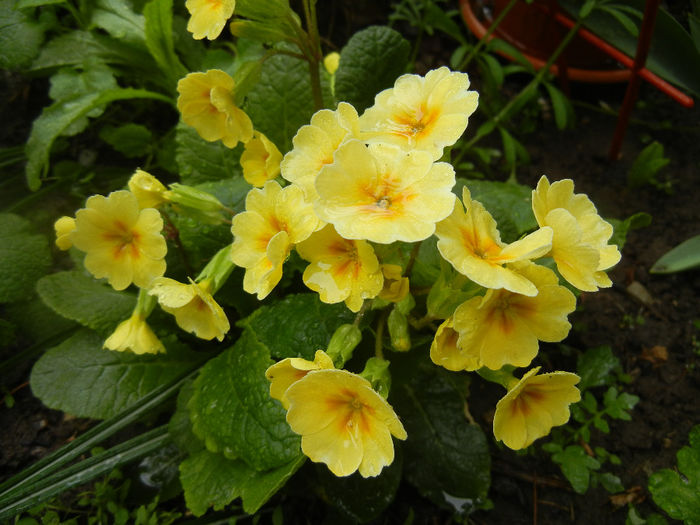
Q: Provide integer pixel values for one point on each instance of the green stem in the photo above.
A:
(524, 93)
(485, 39)
(314, 56)
(379, 340)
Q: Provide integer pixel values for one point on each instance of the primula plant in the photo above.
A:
(323, 188)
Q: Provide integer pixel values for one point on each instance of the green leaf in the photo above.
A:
(618, 405)
(370, 62)
(159, 39)
(211, 480)
(595, 367)
(180, 426)
(445, 456)
(678, 493)
(611, 482)
(297, 326)
(81, 378)
(81, 298)
(232, 411)
(576, 466)
(119, 20)
(685, 256)
(646, 166)
(281, 102)
(201, 161)
(622, 228)
(24, 257)
(56, 118)
(131, 140)
(79, 47)
(20, 37)
(508, 202)
(561, 106)
(362, 499)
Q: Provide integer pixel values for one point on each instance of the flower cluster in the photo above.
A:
(121, 235)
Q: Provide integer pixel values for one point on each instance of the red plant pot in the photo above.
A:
(536, 34)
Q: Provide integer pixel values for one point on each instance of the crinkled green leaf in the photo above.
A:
(201, 161)
(281, 102)
(297, 326)
(180, 426)
(131, 140)
(81, 378)
(618, 405)
(211, 480)
(508, 202)
(78, 47)
(24, 258)
(37, 322)
(81, 298)
(362, 499)
(445, 456)
(20, 37)
(232, 411)
(576, 466)
(56, 118)
(370, 62)
(678, 493)
(159, 39)
(117, 18)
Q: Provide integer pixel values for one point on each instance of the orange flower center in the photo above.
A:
(124, 239)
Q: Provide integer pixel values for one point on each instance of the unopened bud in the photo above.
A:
(344, 340)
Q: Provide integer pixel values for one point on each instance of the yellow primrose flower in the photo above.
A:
(340, 269)
(206, 103)
(193, 306)
(134, 334)
(533, 406)
(445, 352)
(275, 219)
(426, 113)
(260, 160)
(343, 422)
(290, 370)
(580, 241)
(331, 62)
(503, 328)
(64, 227)
(382, 194)
(315, 144)
(471, 243)
(396, 286)
(208, 17)
(148, 190)
(122, 242)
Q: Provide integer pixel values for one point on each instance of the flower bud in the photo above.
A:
(344, 340)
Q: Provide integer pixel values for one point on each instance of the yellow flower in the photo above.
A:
(122, 243)
(315, 144)
(193, 306)
(206, 104)
(290, 370)
(471, 243)
(580, 241)
(343, 422)
(533, 406)
(340, 269)
(275, 219)
(503, 328)
(445, 352)
(134, 334)
(260, 160)
(208, 17)
(396, 286)
(148, 190)
(383, 194)
(331, 62)
(64, 227)
(426, 113)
